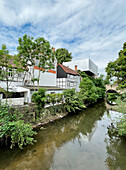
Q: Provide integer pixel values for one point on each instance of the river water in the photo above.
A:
(76, 142)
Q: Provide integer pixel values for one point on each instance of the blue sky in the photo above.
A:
(87, 28)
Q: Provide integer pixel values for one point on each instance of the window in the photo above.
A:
(19, 75)
(36, 62)
(52, 92)
(71, 84)
(10, 73)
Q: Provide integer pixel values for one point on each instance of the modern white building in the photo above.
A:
(86, 65)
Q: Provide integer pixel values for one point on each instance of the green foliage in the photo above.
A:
(100, 85)
(73, 100)
(88, 90)
(92, 89)
(123, 96)
(121, 104)
(39, 49)
(44, 53)
(121, 126)
(59, 97)
(107, 81)
(62, 55)
(117, 68)
(82, 73)
(121, 107)
(12, 126)
(39, 98)
(111, 97)
(54, 98)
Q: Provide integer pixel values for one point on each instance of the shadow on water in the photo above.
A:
(116, 153)
(77, 141)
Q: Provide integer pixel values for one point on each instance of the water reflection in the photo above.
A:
(116, 153)
(75, 142)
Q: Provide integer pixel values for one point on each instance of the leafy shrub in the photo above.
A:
(121, 107)
(88, 90)
(54, 98)
(121, 126)
(12, 126)
(100, 85)
(111, 97)
(51, 98)
(73, 101)
(59, 97)
(123, 96)
(39, 98)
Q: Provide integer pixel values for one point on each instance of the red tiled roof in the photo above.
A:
(11, 62)
(68, 70)
(39, 68)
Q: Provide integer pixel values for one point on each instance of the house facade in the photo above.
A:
(67, 78)
(46, 77)
(22, 86)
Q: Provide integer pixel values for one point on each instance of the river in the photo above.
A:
(77, 142)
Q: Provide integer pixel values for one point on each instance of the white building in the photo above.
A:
(86, 65)
(46, 78)
(22, 86)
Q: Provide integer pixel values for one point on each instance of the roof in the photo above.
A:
(40, 68)
(68, 70)
(45, 87)
(15, 88)
(11, 62)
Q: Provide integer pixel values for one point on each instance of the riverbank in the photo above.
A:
(77, 141)
(18, 124)
(49, 115)
(49, 119)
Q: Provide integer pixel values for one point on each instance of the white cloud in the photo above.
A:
(87, 28)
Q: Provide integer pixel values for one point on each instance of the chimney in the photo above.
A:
(53, 49)
(76, 68)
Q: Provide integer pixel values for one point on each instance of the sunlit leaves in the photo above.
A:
(117, 68)
(62, 55)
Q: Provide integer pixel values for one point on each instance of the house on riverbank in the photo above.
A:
(54, 80)
(67, 78)
(20, 85)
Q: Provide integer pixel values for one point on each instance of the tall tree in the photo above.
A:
(45, 55)
(62, 55)
(117, 68)
(27, 51)
(36, 52)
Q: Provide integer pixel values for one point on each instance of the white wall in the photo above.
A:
(13, 101)
(55, 91)
(27, 97)
(11, 84)
(83, 65)
(46, 78)
(69, 82)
